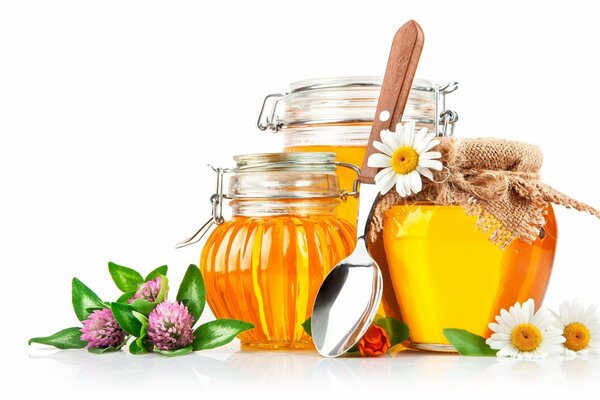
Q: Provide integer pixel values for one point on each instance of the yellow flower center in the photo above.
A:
(577, 335)
(526, 337)
(404, 160)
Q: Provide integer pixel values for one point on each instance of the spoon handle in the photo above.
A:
(397, 82)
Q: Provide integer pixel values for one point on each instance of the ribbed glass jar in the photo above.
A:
(266, 264)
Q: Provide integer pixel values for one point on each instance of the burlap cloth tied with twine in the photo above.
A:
(496, 180)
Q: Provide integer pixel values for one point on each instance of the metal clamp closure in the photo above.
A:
(449, 118)
(269, 120)
(444, 118)
(216, 201)
(217, 198)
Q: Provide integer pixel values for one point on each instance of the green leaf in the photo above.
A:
(98, 350)
(124, 298)
(66, 339)
(468, 344)
(135, 348)
(175, 353)
(140, 317)
(143, 306)
(307, 327)
(83, 298)
(124, 315)
(218, 333)
(397, 330)
(164, 290)
(192, 290)
(126, 279)
(103, 305)
(162, 270)
(140, 345)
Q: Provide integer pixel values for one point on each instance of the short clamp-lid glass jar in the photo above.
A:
(266, 263)
(336, 114)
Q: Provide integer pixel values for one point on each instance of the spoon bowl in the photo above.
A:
(347, 302)
(349, 296)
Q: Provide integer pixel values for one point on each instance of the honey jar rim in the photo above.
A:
(332, 82)
(307, 161)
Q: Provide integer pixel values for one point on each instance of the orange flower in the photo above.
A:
(375, 342)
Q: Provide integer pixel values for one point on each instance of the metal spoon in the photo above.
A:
(349, 297)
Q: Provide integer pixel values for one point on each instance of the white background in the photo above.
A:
(110, 111)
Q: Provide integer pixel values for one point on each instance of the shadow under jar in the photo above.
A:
(266, 264)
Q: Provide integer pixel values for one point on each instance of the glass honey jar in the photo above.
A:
(266, 263)
(336, 114)
(442, 272)
(480, 236)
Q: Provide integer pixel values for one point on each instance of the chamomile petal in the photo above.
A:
(508, 318)
(387, 138)
(433, 164)
(386, 183)
(425, 172)
(430, 155)
(406, 182)
(415, 181)
(408, 132)
(505, 337)
(378, 160)
(498, 328)
(508, 351)
(430, 145)
(384, 174)
(589, 314)
(400, 186)
(564, 310)
(384, 148)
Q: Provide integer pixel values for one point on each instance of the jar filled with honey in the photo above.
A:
(266, 263)
(443, 272)
(336, 114)
(480, 236)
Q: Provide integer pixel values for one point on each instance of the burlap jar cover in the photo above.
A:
(494, 179)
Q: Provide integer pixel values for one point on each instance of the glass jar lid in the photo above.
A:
(306, 161)
(348, 101)
(284, 176)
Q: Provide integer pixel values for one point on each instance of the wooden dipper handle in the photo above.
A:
(397, 82)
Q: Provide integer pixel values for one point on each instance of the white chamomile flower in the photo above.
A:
(581, 328)
(523, 333)
(404, 157)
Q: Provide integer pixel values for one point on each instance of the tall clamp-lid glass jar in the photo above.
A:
(336, 114)
(266, 263)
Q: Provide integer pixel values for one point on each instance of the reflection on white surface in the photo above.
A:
(231, 370)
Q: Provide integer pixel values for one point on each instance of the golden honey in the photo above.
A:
(445, 273)
(267, 271)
